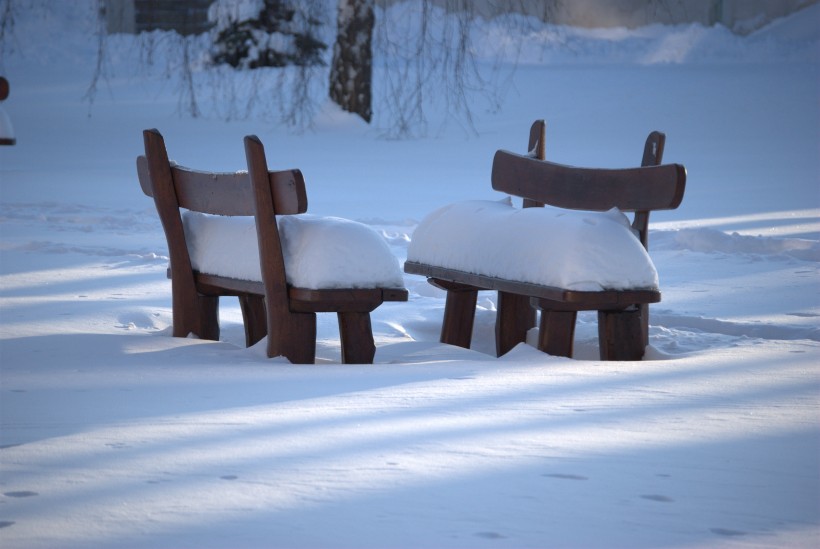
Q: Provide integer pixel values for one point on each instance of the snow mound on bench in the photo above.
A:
(319, 252)
(574, 250)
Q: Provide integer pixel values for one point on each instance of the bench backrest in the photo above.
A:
(231, 194)
(227, 193)
(653, 186)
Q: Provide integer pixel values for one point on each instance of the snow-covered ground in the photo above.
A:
(113, 434)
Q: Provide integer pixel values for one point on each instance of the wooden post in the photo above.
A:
(192, 313)
(556, 335)
(514, 318)
(620, 334)
(459, 312)
(515, 315)
(254, 316)
(356, 335)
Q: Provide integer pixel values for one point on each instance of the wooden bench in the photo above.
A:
(6, 130)
(270, 306)
(622, 314)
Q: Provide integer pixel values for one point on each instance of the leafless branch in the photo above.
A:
(100, 67)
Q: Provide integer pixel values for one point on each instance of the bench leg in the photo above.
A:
(198, 315)
(644, 307)
(254, 315)
(513, 320)
(292, 335)
(621, 335)
(356, 334)
(556, 334)
(459, 316)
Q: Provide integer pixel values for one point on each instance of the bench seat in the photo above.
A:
(584, 251)
(590, 261)
(319, 252)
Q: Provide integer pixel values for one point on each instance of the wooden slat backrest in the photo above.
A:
(631, 189)
(223, 193)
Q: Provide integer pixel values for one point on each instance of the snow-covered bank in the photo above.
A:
(114, 434)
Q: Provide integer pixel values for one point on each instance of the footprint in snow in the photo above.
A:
(658, 497)
(565, 476)
(489, 535)
(727, 532)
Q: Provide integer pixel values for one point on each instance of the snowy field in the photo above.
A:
(113, 434)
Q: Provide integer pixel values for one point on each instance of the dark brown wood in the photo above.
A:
(4, 93)
(537, 149)
(213, 193)
(356, 335)
(623, 314)
(514, 318)
(254, 317)
(340, 300)
(556, 334)
(207, 314)
(279, 316)
(459, 312)
(294, 338)
(143, 176)
(270, 307)
(588, 301)
(303, 299)
(653, 149)
(192, 313)
(620, 335)
(652, 156)
(230, 193)
(629, 189)
(222, 285)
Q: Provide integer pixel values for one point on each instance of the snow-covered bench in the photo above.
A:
(246, 234)
(576, 252)
(6, 131)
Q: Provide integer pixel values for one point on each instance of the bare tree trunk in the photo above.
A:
(351, 71)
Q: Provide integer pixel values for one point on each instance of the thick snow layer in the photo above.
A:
(319, 252)
(575, 250)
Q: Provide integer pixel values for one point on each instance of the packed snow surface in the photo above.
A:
(575, 250)
(114, 434)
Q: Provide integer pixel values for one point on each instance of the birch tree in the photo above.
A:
(351, 71)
